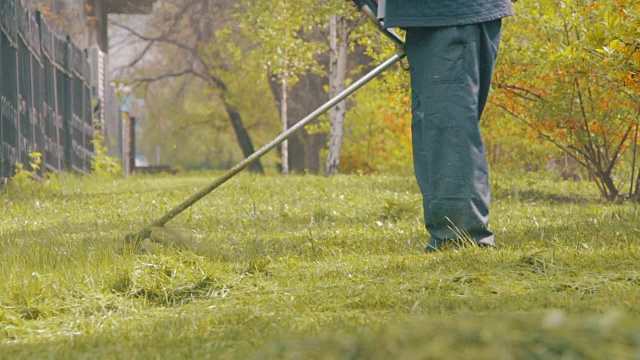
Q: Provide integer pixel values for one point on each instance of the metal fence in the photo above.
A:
(49, 99)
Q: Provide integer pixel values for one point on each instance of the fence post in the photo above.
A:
(51, 159)
(9, 143)
(64, 99)
(87, 112)
(2, 41)
(132, 145)
(76, 94)
(25, 128)
(37, 92)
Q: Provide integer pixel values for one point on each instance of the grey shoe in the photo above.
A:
(435, 245)
(440, 245)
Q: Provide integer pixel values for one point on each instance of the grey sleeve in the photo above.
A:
(382, 9)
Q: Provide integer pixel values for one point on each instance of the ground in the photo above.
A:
(313, 267)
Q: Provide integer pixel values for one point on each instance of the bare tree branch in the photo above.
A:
(167, 76)
(564, 149)
(519, 89)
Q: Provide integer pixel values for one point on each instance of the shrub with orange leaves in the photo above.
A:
(568, 72)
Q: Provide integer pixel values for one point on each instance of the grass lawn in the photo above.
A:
(307, 267)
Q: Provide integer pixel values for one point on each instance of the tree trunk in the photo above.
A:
(242, 136)
(337, 72)
(283, 114)
(633, 163)
(612, 191)
(305, 96)
(312, 147)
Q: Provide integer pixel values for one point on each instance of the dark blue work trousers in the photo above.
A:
(451, 70)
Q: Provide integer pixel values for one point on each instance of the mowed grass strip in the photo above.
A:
(306, 266)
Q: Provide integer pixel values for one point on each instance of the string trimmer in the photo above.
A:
(370, 8)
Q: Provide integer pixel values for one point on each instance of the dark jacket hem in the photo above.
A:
(406, 22)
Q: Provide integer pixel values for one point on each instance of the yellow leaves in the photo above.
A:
(606, 100)
(632, 81)
(597, 127)
(578, 67)
(623, 14)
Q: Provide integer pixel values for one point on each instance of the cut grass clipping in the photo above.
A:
(312, 267)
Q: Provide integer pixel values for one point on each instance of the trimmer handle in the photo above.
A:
(372, 4)
(370, 8)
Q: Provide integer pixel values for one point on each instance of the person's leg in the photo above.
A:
(451, 69)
